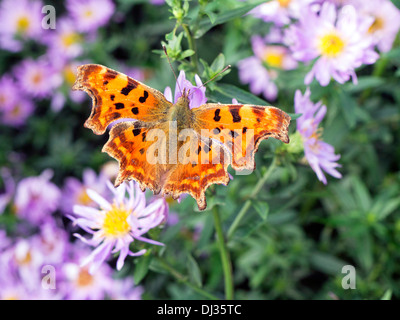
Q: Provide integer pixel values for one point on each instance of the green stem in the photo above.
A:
(192, 46)
(183, 279)
(225, 258)
(248, 202)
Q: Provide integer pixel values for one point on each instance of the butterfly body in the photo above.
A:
(181, 113)
(170, 148)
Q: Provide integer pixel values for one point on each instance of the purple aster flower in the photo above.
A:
(20, 20)
(4, 240)
(37, 77)
(279, 12)
(274, 56)
(66, 42)
(13, 290)
(8, 92)
(197, 93)
(76, 281)
(261, 70)
(14, 108)
(319, 154)
(117, 224)
(336, 40)
(252, 71)
(36, 197)
(125, 289)
(52, 242)
(74, 192)
(67, 73)
(16, 114)
(89, 15)
(386, 21)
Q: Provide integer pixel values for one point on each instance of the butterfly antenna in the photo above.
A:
(204, 84)
(170, 64)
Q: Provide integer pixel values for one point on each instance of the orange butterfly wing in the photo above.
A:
(117, 96)
(241, 128)
(129, 145)
(206, 158)
(206, 164)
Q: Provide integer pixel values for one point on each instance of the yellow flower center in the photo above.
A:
(37, 78)
(16, 111)
(170, 200)
(331, 45)
(23, 24)
(84, 278)
(3, 99)
(88, 13)
(274, 59)
(83, 198)
(377, 25)
(115, 223)
(23, 261)
(70, 39)
(284, 3)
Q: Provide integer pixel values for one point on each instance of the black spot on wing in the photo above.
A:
(135, 110)
(119, 105)
(144, 98)
(136, 131)
(217, 117)
(129, 87)
(110, 75)
(234, 110)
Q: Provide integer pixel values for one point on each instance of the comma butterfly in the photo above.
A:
(200, 142)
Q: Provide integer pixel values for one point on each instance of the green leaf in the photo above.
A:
(389, 207)
(262, 208)
(349, 106)
(142, 267)
(187, 53)
(218, 63)
(327, 263)
(194, 271)
(211, 15)
(362, 195)
(364, 252)
(295, 116)
(227, 92)
(364, 83)
(387, 295)
(396, 3)
(206, 24)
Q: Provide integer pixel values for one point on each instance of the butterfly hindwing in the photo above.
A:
(206, 163)
(241, 128)
(117, 96)
(129, 145)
